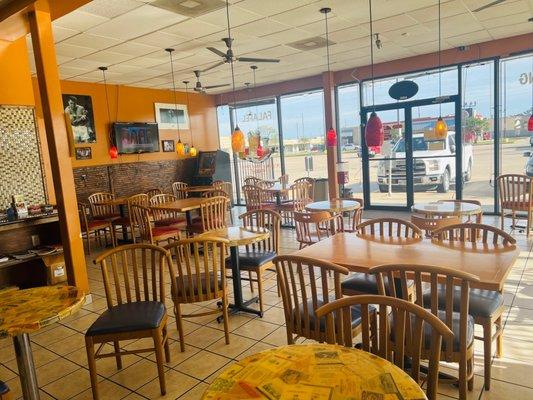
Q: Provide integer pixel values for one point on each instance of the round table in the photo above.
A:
(315, 371)
(28, 310)
(239, 236)
(334, 206)
(446, 209)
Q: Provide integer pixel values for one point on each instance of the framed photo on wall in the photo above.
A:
(84, 153)
(165, 115)
(79, 109)
(167, 145)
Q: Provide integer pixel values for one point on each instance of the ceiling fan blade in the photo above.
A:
(218, 64)
(216, 86)
(258, 60)
(217, 52)
(492, 3)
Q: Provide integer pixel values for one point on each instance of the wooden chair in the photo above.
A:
(257, 257)
(198, 276)
(253, 181)
(306, 284)
(429, 225)
(94, 227)
(212, 215)
(165, 217)
(152, 192)
(227, 188)
(454, 311)
(486, 306)
(141, 217)
(313, 227)
(127, 222)
(256, 198)
(515, 195)
(406, 323)
(355, 217)
(214, 193)
(362, 283)
(134, 284)
(178, 189)
(479, 217)
(311, 182)
(284, 179)
(99, 210)
(299, 195)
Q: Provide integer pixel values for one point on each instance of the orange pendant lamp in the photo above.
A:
(374, 133)
(180, 147)
(440, 130)
(237, 140)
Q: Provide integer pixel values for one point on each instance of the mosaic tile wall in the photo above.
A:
(20, 158)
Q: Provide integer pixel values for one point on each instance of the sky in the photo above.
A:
(303, 114)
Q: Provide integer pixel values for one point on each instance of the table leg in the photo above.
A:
(28, 377)
(188, 217)
(122, 212)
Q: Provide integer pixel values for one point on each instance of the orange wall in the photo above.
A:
(15, 81)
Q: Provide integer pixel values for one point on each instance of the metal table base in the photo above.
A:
(27, 374)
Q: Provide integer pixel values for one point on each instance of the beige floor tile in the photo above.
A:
(277, 338)
(256, 329)
(256, 348)
(136, 375)
(134, 396)
(503, 390)
(41, 356)
(203, 337)
(176, 355)
(512, 371)
(518, 349)
(107, 390)
(69, 385)
(6, 373)
(68, 345)
(195, 393)
(58, 333)
(237, 345)
(202, 364)
(55, 370)
(176, 382)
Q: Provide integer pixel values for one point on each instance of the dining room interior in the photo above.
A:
(246, 199)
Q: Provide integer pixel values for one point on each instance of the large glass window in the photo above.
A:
(302, 120)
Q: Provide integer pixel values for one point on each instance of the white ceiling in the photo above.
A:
(129, 37)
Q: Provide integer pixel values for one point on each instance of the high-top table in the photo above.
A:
(313, 371)
(25, 311)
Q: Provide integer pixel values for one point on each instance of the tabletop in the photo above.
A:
(360, 252)
(200, 189)
(181, 205)
(239, 236)
(446, 208)
(314, 371)
(277, 187)
(337, 205)
(28, 310)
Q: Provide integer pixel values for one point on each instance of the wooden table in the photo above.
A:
(278, 189)
(313, 372)
(199, 189)
(334, 206)
(358, 253)
(182, 205)
(446, 209)
(26, 311)
(239, 236)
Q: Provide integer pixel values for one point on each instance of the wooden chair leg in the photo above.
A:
(462, 377)
(260, 288)
(89, 346)
(167, 348)
(251, 282)
(118, 358)
(499, 339)
(158, 345)
(470, 370)
(487, 351)
(179, 326)
(225, 316)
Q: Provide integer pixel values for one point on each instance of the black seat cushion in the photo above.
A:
(367, 283)
(356, 315)
(482, 303)
(128, 317)
(255, 259)
(194, 282)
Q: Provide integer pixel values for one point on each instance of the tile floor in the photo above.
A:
(61, 364)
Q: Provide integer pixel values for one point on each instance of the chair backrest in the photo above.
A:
(134, 272)
(199, 272)
(215, 193)
(98, 209)
(356, 216)
(428, 278)
(140, 199)
(284, 179)
(515, 190)
(253, 196)
(405, 322)
(159, 199)
(270, 220)
(300, 194)
(153, 192)
(178, 189)
(305, 284)
(213, 213)
(389, 227)
(226, 187)
(311, 182)
(430, 225)
(474, 233)
(140, 217)
(83, 211)
(252, 180)
(315, 226)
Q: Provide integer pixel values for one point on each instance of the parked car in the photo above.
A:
(531, 140)
(349, 147)
(432, 169)
(529, 163)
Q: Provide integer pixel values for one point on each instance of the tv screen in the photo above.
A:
(136, 137)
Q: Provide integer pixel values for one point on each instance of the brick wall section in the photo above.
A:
(132, 178)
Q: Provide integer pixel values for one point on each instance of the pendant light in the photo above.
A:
(192, 150)
(180, 148)
(260, 151)
(113, 151)
(530, 121)
(441, 129)
(331, 135)
(374, 133)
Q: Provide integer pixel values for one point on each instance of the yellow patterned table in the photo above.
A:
(25, 311)
(313, 372)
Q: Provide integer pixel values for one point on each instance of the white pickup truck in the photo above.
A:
(434, 165)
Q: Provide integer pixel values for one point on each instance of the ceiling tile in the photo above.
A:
(513, 30)
(133, 49)
(393, 23)
(88, 65)
(301, 16)
(430, 13)
(261, 27)
(69, 50)
(335, 24)
(107, 57)
(272, 7)
(159, 39)
(91, 41)
(62, 33)
(345, 35)
(502, 9)
(288, 36)
(111, 9)
(469, 38)
(192, 28)
(508, 20)
(80, 21)
(238, 16)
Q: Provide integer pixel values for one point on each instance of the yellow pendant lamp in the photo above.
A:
(180, 147)
(440, 130)
(192, 150)
(237, 140)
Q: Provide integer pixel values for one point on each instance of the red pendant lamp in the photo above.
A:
(113, 151)
(331, 134)
(260, 150)
(440, 129)
(374, 133)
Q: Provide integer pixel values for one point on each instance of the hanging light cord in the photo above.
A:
(327, 42)
(106, 97)
(187, 97)
(256, 120)
(175, 97)
(440, 68)
(371, 53)
(231, 66)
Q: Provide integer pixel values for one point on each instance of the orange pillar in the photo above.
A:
(328, 82)
(58, 143)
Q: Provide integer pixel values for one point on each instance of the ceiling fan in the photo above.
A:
(229, 56)
(492, 3)
(201, 89)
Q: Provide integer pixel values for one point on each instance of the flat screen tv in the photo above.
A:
(136, 137)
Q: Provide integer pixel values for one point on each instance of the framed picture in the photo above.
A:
(79, 109)
(84, 153)
(167, 145)
(166, 114)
